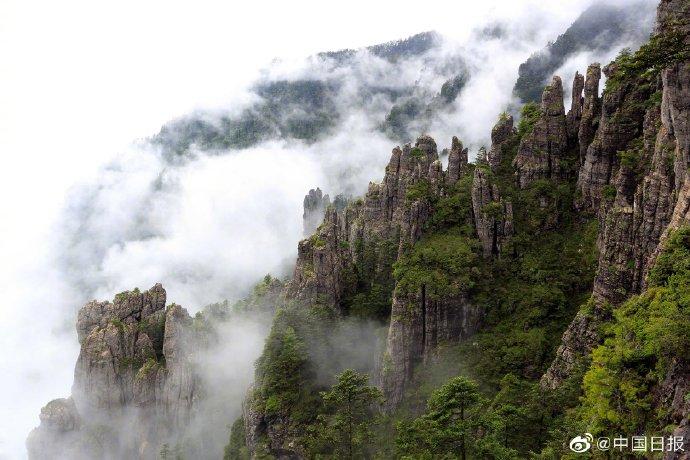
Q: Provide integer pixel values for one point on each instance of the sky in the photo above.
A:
(80, 80)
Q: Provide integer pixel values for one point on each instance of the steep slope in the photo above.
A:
(134, 385)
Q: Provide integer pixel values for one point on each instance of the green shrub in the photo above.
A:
(608, 192)
(529, 115)
(442, 262)
(236, 449)
(420, 190)
(417, 153)
(648, 332)
(661, 51)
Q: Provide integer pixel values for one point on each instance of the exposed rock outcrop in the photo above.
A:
(635, 177)
(576, 108)
(457, 161)
(378, 229)
(315, 204)
(134, 382)
(419, 323)
(591, 110)
(493, 218)
(501, 134)
(542, 152)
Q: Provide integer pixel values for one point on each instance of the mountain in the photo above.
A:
(492, 309)
(598, 29)
(313, 106)
(308, 109)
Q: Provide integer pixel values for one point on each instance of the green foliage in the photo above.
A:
(374, 303)
(283, 369)
(373, 286)
(417, 153)
(263, 298)
(117, 322)
(674, 260)
(530, 300)
(401, 116)
(343, 429)
(122, 296)
(529, 115)
(661, 51)
(298, 109)
(149, 367)
(493, 209)
(420, 190)
(166, 453)
(451, 88)
(236, 449)
(608, 192)
(454, 208)
(648, 331)
(633, 157)
(456, 424)
(441, 262)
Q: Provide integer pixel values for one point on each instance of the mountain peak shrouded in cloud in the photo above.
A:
(393, 50)
(400, 88)
(600, 28)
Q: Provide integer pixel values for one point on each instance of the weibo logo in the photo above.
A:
(581, 444)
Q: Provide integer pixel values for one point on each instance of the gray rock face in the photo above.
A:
(134, 383)
(60, 423)
(501, 133)
(670, 394)
(457, 161)
(315, 204)
(591, 110)
(383, 215)
(621, 121)
(418, 325)
(647, 195)
(579, 339)
(576, 108)
(493, 218)
(541, 151)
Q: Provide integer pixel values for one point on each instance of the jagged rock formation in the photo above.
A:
(457, 161)
(134, 383)
(315, 204)
(591, 110)
(501, 134)
(542, 152)
(380, 228)
(576, 108)
(385, 214)
(635, 177)
(493, 218)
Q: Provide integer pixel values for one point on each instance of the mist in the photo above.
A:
(89, 211)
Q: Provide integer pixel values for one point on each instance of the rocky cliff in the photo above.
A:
(634, 177)
(134, 382)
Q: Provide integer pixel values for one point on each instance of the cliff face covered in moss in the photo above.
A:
(492, 309)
